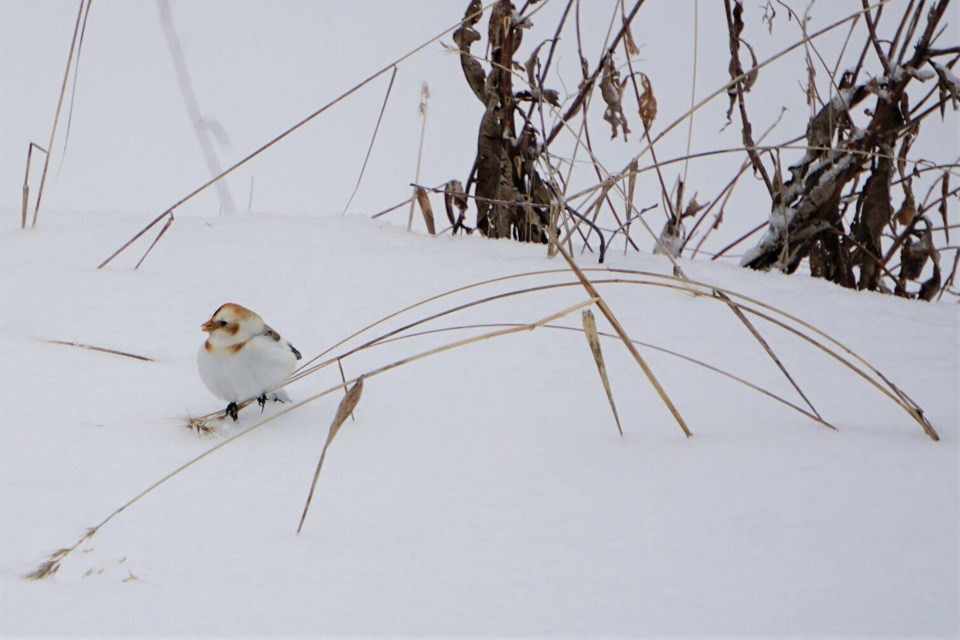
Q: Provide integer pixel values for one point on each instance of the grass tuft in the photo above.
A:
(201, 425)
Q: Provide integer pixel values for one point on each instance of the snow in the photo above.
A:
(481, 491)
(952, 80)
(484, 491)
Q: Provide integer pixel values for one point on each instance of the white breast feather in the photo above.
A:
(262, 366)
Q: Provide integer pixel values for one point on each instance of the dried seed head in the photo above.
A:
(648, 102)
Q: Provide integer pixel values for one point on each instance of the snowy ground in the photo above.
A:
(484, 491)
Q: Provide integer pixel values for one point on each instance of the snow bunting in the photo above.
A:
(243, 358)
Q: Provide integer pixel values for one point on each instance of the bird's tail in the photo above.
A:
(278, 396)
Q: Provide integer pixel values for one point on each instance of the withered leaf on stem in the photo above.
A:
(632, 48)
(454, 196)
(754, 73)
(530, 66)
(612, 92)
(734, 68)
(648, 102)
(944, 196)
(593, 339)
(948, 86)
(811, 90)
(424, 201)
(737, 18)
(464, 37)
(908, 209)
(916, 250)
(693, 208)
(931, 286)
(584, 71)
(346, 407)
(905, 145)
(874, 203)
(874, 213)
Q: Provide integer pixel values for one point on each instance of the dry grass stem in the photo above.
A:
(612, 319)
(424, 98)
(281, 136)
(26, 183)
(373, 139)
(647, 345)
(887, 387)
(677, 269)
(805, 331)
(192, 105)
(393, 208)
(346, 407)
(593, 339)
(163, 230)
(100, 349)
(50, 566)
(73, 88)
(766, 346)
(56, 116)
(874, 377)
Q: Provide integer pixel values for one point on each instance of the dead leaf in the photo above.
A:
(454, 196)
(424, 201)
(648, 102)
(346, 407)
(593, 339)
(612, 92)
(944, 196)
(908, 210)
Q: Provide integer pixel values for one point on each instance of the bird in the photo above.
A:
(243, 358)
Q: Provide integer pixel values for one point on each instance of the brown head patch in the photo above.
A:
(232, 329)
(238, 310)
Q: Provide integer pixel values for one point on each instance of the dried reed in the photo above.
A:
(422, 110)
(593, 339)
(346, 407)
(56, 115)
(26, 183)
(100, 349)
(373, 139)
(424, 201)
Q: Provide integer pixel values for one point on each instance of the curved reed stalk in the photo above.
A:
(877, 379)
(639, 343)
(914, 409)
(759, 309)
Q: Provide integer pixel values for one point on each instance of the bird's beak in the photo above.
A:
(208, 326)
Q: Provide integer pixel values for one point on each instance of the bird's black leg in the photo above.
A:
(233, 411)
(262, 401)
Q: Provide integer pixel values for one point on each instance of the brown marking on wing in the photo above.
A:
(268, 331)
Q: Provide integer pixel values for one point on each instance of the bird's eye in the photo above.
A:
(222, 323)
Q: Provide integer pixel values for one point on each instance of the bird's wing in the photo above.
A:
(276, 337)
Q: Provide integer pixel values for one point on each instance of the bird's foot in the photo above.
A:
(233, 411)
(262, 401)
